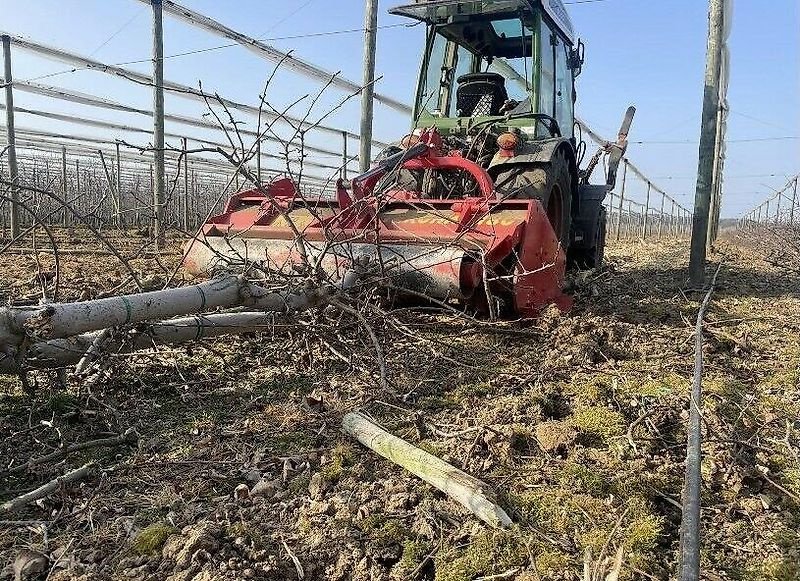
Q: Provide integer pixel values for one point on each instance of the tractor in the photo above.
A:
(482, 203)
(497, 81)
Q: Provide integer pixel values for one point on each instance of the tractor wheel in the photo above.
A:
(551, 184)
(586, 258)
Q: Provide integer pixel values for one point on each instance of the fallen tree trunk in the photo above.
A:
(70, 350)
(65, 319)
(42, 327)
(457, 484)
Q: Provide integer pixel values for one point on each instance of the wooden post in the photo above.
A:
(64, 184)
(186, 183)
(77, 178)
(13, 169)
(344, 155)
(673, 219)
(794, 202)
(646, 211)
(622, 195)
(111, 186)
(159, 195)
(258, 155)
(702, 200)
(368, 90)
(119, 186)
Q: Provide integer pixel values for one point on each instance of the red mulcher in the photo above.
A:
(445, 249)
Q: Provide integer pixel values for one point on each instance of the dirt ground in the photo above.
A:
(239, 469)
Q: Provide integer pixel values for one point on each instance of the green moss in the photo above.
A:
(660, 386)
(791, 479)
(63, 402)
(414, 551)
(286, 384)
(598, 422)
(489, 553)
(643, 533)
(591, 388)
(151, 538)
(550, 563)
(582, 478)
(559, 510)
(342, 457)
(371, 522)
(243, 529)
(299, 484)
(783, 380)
(391, 532)
(594, 538)
(774, 568)
(478, 389)
(437, 402)
(10, 384)
(289, 442)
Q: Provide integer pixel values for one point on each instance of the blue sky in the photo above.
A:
(646, 52)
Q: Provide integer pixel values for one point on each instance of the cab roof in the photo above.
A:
(440, 11)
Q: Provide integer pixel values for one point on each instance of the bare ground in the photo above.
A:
(576, 420)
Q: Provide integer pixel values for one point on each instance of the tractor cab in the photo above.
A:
(489, 59)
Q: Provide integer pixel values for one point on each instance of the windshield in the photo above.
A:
(449, 86)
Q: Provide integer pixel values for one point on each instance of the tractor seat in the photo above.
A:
(480, 94)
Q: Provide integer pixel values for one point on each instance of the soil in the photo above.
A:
(577, 421)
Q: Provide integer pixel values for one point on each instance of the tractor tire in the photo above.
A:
(592, 257)
(551, 184)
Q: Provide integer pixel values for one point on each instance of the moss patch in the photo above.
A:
(598, 423)
(151, 538)
(414, 552)
(489, 553)
(342, 457)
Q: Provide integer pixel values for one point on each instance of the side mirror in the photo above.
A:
(576, 57)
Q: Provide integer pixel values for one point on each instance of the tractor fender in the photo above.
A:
(586, 221)
(539, 152)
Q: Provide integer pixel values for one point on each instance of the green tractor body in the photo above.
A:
(499, 67)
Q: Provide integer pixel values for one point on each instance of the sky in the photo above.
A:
(650, 53)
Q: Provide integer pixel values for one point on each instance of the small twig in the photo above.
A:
(128, 437)
(503, 575)
(301, 574)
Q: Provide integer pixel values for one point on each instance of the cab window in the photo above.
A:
(563, 94)
(547, 77)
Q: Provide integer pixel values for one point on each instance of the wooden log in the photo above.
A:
(46, 489)
(457, 484)
(59, 320)
(58, 352)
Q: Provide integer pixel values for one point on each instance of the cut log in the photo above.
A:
(465, 489)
